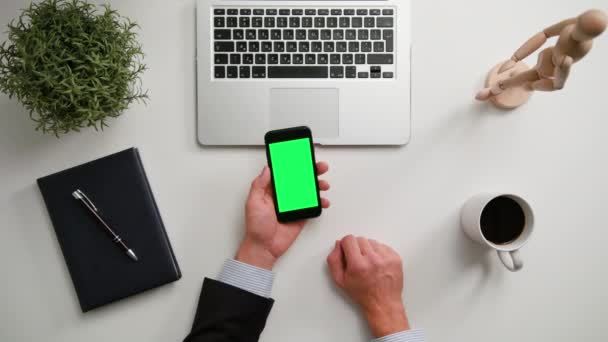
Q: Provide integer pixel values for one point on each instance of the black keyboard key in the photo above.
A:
(294, 22)
(378, 46)
(221, 34)
(351, 72)
(334, 58)
(385, 22)
(357, 22)
(275, 34)
(336, 72)
(338, 34)
(332, 22)
(245, 71)
(311, 58)
(389, 40)
(269, 22)
(285, 58)
(311, 12)
(319, 22)
(376, 34)
(292, 47)
(325, 34)
(363, 75)
(219, 22)
(244, 22)
(254, 46)
(345, 22)
(375, 12)
(232, 72)
(360, 58)
(238, 34)
(263, 34)
(235, 58)
(347, 58)
(316, 46)
(298, 59)
(266, 46)
(336, 12)
(297, 72)
(351, 34)
(376, 75)
(220, 72)
(297, 12)
(241, 46)
(221, 58)
(313, 34)
(307, 22)
(341, 47)
(282, 22)
(258, 11)
(384, 58)
(363, 34)
(353, 46)
(288, 34)
(387, 74)
(366, 46)
(279, 46)
(369, 22)
(258, 72)
(232, 22)
(284, 12)
(219, 11)
(300, 34)
(349, 12)
(387, 11)
(260, 58)
(304, 46)
(233, 11)
(250, 34)
(271, 11)
(375, 69)
(323, 58)
(223, 46)
(329, 47)
(257, 22)
(247, 58)
(273, 59)
(245, 11)
(323, 12)
(361, 12)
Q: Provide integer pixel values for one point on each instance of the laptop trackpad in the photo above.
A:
(315, 108)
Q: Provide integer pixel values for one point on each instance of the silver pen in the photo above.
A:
(80, 195)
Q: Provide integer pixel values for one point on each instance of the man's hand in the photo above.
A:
(371, 274)
(508, 65)
(266, 239)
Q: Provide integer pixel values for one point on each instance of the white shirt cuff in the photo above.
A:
(247, 277)
(404, 336)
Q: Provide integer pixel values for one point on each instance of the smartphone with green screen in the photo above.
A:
(291, 158)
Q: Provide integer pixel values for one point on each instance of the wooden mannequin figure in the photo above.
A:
(511, 83)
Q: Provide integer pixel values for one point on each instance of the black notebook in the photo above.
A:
(100, 270)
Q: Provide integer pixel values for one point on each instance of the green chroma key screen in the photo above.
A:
(294, 174)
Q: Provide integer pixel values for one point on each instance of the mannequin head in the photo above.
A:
(590, 25)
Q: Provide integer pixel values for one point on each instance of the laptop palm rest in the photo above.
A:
(316, 108)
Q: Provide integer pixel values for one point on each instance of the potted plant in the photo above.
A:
(72, 64)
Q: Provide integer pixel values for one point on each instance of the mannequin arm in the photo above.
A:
(562, 71)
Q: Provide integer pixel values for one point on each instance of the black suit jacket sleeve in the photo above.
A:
(228, 314)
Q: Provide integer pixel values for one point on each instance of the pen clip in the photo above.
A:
(80, 195)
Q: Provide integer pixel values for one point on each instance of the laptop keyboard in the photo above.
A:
(296, 43)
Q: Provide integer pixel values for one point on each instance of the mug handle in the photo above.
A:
(511, 260)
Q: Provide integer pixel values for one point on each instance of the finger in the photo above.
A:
(335, 261)
(322, 167)
(324, 185)
(364, 245)
(351, 249)
(261, 183)
(325, 203)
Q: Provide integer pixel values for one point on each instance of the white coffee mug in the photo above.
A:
(470, 218)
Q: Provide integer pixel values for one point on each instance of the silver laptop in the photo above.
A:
(341, 68)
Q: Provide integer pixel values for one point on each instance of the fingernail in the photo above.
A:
(263, 169)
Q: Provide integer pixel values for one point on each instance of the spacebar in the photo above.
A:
(297, 72)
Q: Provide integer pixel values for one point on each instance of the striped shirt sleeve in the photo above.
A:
(247, 277)
(404, 336)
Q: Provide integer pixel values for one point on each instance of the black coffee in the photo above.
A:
(502, 220)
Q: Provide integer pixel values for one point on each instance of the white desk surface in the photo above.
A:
(553, 151)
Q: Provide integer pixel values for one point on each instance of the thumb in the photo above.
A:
(261, 182)
(335, 261)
